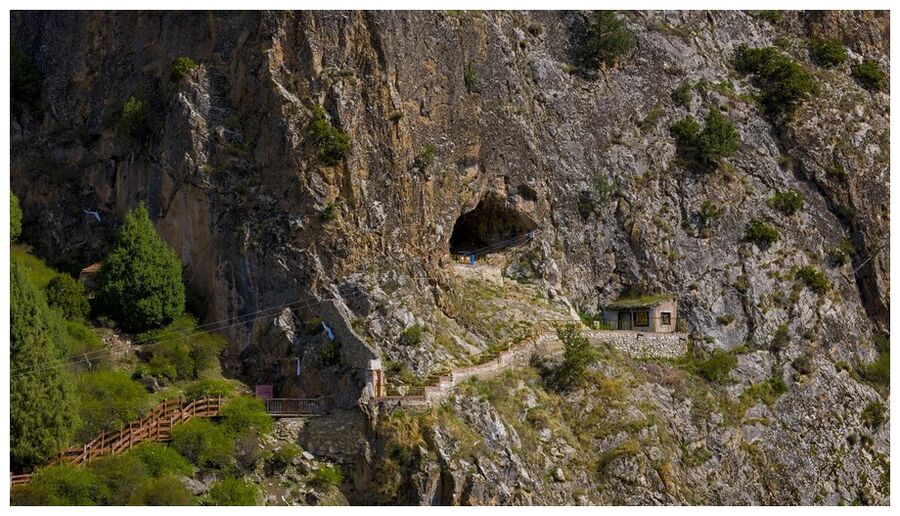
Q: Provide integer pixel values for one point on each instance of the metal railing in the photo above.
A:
(650, 324)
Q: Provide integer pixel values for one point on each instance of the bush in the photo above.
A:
(232, 491)
(166, 490)
(607, 39)
(107, 400)
(772, 16)
(180, 351)
(710, 212)
(326, 475)
(781, 339)
(844, 252)
(412, 336)
(803, 364)
(15, 218)
(331, 353)
(828, 52)
(81, 339)
(209, 387)
(717, 140)
(135, 120)
(140, 280)
(470, 77)
(873, 416)
(67, 293)
(283, 456)
(181, 67)
(333, 144)
(122, 475)
(426, 159)
(64, 484)
(788, 202)
(577, 357)
(246, 413)
(204, 444)
(869, 75)
(33, 268)
(682, 94)
(814, 279)
(718, 366)
(877, 373)
(784, 83)
(161, 460)
(24, 81)
(761, 233)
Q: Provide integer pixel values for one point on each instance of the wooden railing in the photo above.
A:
(155, 426)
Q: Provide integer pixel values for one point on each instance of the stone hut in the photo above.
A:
(655, 313)
(90, 278)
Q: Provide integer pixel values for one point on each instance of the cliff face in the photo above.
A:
(449, 110)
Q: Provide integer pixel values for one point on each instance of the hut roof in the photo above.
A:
(639, 302)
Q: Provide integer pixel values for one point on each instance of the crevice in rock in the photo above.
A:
(489, 227)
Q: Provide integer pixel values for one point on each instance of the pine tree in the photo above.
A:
(42, 414)
(141, 285)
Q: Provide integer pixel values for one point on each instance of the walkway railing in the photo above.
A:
(296, 407)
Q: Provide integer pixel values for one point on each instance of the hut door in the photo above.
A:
(624, 320)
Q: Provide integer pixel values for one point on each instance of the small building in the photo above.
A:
(90, 278)
(655, 313)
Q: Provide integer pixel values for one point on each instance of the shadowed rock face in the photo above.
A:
(232, 180)
(489, 228)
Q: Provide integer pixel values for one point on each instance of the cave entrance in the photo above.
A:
(491, 227)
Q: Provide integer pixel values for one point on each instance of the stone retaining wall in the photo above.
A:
(642, 344)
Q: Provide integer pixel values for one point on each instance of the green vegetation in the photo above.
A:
(140, 280)
(332, 143)
(638, 302)
(160, 459)
(181, 67)
(814, 279)
(121, 476)
(107, 401)
(878, 372)
(788, 202)
(40, 397)
(784, 83)
(828, 52)
(61, 485)
(707, 147)
(232, 491)
(204, 443)
(282, 457)
(166, 490)
(15, 218)
(725, 320)
(470, 77)
(772, 16)
(179, 351)
(710, 212)
(208, 387)
(843, 253)
(874, 415)
(577, 357)
(869, 75)
(326, 475)
(135, 120)
(331, 353)
(803, 364)
(607, 40)
(683, 94)
(33, 268)
(24, 81)
(718, 366)
(80, 338)
(246, 414)
(67, 294)
(412, 336)
(781, 338)
(426, 159)
(761, 233)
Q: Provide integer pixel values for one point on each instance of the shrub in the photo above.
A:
(166, 490)
(326, 475)
(788, 202)
(781, 339)
(135, 120)
(869, 75)
(24, 81)
(412, 336)
(578, 355)
(67, 293)
(470, 77)
(772, 16)
(160, 459)
(333, 145)
(32, 268)
(878, 372)
(107, 400)
(725, 320)
(246, 413)
(682, 94)
(181, 67)
(204, 444)
(122, 475)
(171, 360)
(283, 456)
(814, 279)
(717, 140)
(710, 212)
(828, 52)
(41, 407)
(607, 39)
(64, 484)
(784, 83)
(717, 367)
(844, 252)
(873, 416)
(803, 364)
(15, 218)
(81, 339)
(209, 387)
(140, 280)
(761, 233)
(232, 491)
(426, 159)
(331, 353)
(180, 352)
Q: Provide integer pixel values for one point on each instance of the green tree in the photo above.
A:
(205, 444)
(165, 490)
(107, 400)
(607, 39)
(232, 491)
(141, 284)
(160, 459)
(64, 484)
(246, 413)
(67, 294)
(333, 144)
(181, 67)
(15, 218)
(784, 83)
(828, 52)
(869, 75)
(42, 413)
(578, 355)
(122, 475)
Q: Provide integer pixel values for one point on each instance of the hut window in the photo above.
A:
(666, 318)
(642, 318)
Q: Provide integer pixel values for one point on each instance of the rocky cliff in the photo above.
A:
(486, 123)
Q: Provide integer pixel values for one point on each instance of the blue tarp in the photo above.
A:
(328, 331)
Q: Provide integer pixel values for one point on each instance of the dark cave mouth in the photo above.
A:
(491, 227)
